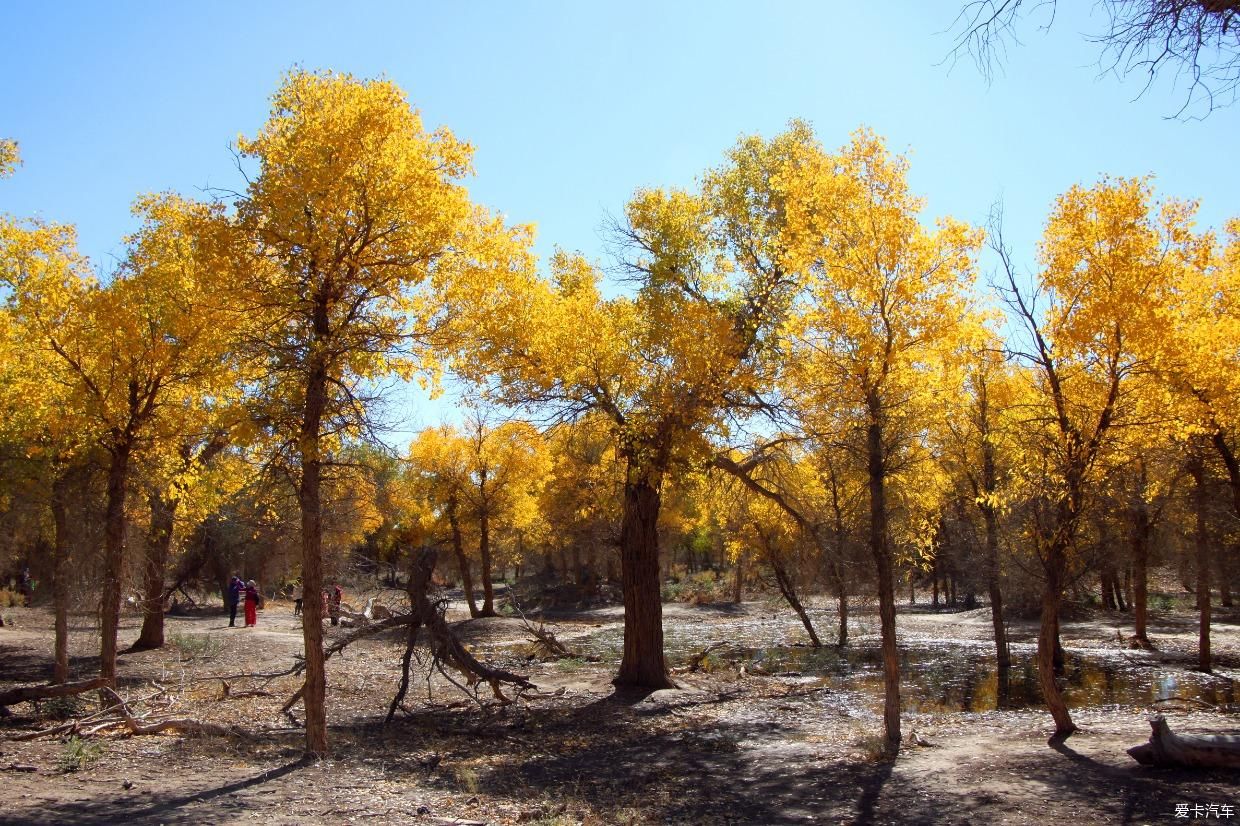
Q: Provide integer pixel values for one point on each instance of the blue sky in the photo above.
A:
(573, 105)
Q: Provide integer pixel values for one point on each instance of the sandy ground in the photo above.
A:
(740, 744)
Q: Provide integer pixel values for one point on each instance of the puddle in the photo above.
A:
(951, 677)
(946, 676)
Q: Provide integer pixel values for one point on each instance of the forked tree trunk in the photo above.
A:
(113, 558)
(877, 473)
(1201, 542)
(60, 574)
(158, 544)
(642, 664)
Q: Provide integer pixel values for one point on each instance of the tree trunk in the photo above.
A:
(484, 557)
(790, 595)
(877, 473)
(642, 664)
(462, 561)
(841, 601)
(1201, 541)
(113, 559)
(60, 574)
(1048, 638)
(484, 547)
(158, 544)
(738, 580)
(1233, 467)
(1223, 560)
(1140, 519)
(787, 589)
(1003, 660)
(314, 695)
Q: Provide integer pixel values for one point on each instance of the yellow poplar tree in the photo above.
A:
(127, 352)
(356, 215)
(1110, 258)
(669, 366)
(885, 300)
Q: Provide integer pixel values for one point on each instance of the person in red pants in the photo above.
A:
(251, 604)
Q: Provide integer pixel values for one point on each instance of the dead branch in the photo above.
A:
(342, 643)
(543, 637)
(700, 657)
(445, 647)
(43, 692)
(186, 726)
(66, 728)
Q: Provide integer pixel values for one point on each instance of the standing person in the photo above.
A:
(27, 586)
(235, 589)
(333, 605)
(301, 594)
(251, 604)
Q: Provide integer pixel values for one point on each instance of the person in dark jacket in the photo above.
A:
(235, 589)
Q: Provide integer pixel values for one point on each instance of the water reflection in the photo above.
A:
(944, 676)
(951, 677)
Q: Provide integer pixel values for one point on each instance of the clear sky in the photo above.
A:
(572, 105)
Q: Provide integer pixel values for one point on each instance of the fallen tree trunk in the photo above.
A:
(1207, 751)
(44, 692)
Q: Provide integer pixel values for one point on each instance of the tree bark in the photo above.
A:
(60, 574)
(1201, 542)
(1139, 516)
(1003, 659)
(1049, 649)
(738, 580)
(642, 664)
(841, 602)
(1223, 561)
(159, 542)
(1219, 440)
(877, 472)
(462, 561)
(113, 557)
(484, 549)
(314, 695)
(786, 587)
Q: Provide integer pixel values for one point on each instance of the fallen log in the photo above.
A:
(1207, 751)
(43, 692)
